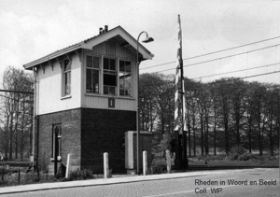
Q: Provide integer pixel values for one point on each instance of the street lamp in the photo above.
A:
(146, 40)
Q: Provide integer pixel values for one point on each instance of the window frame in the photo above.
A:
(66, 77)
(131, 80)
(93, 68)
(110, 72)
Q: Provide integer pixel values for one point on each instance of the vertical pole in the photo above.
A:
(106, 165)
(33, 156)
(137, 111)
(145, 162)
(67, 174)
(182, 94)
(138, 147)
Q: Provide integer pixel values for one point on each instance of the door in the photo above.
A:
(56, 141)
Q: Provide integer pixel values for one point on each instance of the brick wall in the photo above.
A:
(71, 139)
(86, 134)
(103, 131)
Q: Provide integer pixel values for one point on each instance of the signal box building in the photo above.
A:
(85, 101)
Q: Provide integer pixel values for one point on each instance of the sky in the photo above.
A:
(30, 29)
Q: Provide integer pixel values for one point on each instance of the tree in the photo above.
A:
(215, 115)
(238, 90)
(223, 94)
(156, 102)
(225, 113)
(249, 113)
(148, 106)
(271, 115)
(17, 122)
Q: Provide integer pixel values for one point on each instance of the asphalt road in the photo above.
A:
(248, 182)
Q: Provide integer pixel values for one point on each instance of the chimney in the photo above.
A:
(105, 28)
(100, 30)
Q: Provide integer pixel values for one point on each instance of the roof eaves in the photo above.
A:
(53, 55)
(151, 55)
(77, 46)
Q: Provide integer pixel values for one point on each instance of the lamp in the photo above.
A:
(146, 40)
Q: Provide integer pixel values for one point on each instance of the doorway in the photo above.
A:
(56, 146)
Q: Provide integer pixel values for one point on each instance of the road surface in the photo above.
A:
(248, 182)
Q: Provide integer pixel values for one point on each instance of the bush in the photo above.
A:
(245, 157)
(81, 174)
(235, 152)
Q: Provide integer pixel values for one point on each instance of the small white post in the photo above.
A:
(31, 158)
(106, 165)
(145, 162)
(67, 174)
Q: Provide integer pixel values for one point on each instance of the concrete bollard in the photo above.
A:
(145, 162)
(67, 173)
(106, 165)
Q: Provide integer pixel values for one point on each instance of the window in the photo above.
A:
(109, 76)
(56, 141)
(92, 74)
(125, 78)
(66, 77)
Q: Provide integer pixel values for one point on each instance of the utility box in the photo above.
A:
(131, 149)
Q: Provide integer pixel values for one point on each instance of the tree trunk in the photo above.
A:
(271, 145)
(11, 137)
(225, 114)
(150, 116)
(278, 136)
(215, 128)
(215, 139)
(206, 135)
(250, 133)
(194, 142)
(250, 138)
(237, 130)
(16, 144)
(16, 135)
(7, 136)
(260, 137)
(162, 122)
(189, 139)
(237, 119)
(201, 135)
(226, 136)
(194, 131)
(22, 132)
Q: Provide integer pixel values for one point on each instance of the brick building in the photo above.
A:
(85, 100)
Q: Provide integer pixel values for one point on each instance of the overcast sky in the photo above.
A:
(32, 28)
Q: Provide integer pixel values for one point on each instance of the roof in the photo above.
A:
(91, 42)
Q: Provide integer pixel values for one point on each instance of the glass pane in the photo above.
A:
(106, 63)
(125, 66)
(67, 83)
(109, 64)
(125, 83)
(128, 67)
(92, 81)
(95, 62)
(110, 79)
(122, 67)
(89, 61)
(112, 64)
(109, 90)
(89, 80)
